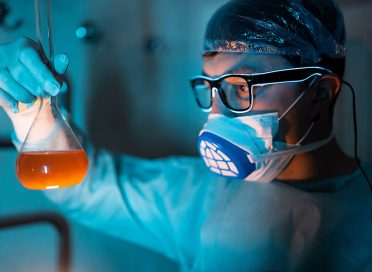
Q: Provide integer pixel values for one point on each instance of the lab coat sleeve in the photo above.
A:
(159, 204)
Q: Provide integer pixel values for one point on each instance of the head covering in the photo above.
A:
(308, 29)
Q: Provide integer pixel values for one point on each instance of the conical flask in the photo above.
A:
(51, 156)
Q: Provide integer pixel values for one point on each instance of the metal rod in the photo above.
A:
(44, 29)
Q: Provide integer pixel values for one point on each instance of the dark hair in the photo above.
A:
(336, 65)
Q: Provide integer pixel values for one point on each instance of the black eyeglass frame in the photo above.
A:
(273, 77)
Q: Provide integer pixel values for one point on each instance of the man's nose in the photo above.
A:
(218, 107)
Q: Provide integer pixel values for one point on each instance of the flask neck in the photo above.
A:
(48, 100)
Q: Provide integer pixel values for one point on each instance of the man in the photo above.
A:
(286, 198)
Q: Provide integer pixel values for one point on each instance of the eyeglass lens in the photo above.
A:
(234, 91)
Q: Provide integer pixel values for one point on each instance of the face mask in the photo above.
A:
(244, 147)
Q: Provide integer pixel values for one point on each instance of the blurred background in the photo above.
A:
(129, 92)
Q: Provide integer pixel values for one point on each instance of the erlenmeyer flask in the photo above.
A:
(51, 156)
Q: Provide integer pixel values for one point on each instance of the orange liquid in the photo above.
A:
(50, 170)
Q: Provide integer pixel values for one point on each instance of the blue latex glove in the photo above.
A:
(24, 76)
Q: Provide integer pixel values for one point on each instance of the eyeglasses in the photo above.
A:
(236, 90)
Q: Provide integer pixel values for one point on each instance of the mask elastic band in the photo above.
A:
(298, 99)
(293, 151)
(306, 134)
(292, 105)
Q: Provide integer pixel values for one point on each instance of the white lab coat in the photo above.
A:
(175, 206)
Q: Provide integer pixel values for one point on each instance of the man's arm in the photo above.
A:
(159, 204)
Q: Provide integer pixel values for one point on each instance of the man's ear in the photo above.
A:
(327, 89)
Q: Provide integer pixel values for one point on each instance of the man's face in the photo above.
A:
(267, 98)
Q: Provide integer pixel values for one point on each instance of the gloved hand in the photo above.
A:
(24, 76)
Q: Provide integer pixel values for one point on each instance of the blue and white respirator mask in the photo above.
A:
(244, 147)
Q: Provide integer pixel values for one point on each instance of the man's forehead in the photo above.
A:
(225, 63)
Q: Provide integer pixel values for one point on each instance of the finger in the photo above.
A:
(8, 102)
(26, 80)
(9, 85)
(38, 69)
(64, 87)
(61, 62)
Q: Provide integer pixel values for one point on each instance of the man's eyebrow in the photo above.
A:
(241, 68)
(204, 73)
(234, 70)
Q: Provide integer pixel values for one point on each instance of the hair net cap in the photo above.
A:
(309, 29)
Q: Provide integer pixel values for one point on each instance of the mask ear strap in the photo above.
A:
(292, 105)
(306, 134)
(293, 150)
(315, 79)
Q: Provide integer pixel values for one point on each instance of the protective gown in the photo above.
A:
(177, 207)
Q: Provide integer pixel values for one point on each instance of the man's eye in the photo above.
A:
(243, 90)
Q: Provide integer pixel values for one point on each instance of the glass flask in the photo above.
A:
(51, 156)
